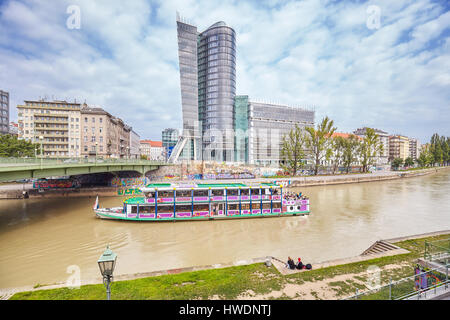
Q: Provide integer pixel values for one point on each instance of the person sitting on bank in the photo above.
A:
(291, 263)
(300, 264)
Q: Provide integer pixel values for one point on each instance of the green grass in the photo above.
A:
(229, 283)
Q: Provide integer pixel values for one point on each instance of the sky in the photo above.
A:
(381, 64)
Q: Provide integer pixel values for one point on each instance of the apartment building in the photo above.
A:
(414, 148)
(54, 124)
(103, 135)
(73, 130)
(398, 147)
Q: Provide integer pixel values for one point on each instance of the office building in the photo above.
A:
(4, 112)
(135, 145)
(211, 110)
(260, 128)
(208, 87)
(169, 140)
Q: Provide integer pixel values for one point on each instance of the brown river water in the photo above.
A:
(41, 238)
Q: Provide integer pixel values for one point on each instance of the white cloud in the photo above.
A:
(311, 53)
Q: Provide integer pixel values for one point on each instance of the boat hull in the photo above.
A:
(104, 214)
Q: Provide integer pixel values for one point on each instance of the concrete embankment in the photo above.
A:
(54, 193)
(359, 178)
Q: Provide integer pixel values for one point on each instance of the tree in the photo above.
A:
(292, 150)
(11, 146)
(338, 146)
(445, 150)
(369, 148)
(422, 160)
(351, 145)
(318, 141)
(396, 163)
(436, 149)
(409, 162)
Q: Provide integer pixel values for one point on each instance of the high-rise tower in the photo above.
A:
(208, 87)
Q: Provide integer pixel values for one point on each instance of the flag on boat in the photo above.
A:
(96, 203)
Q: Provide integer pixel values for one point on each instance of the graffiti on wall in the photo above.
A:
(129, 182)
(55, 183)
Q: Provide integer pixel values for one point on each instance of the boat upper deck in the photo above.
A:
(206, 192)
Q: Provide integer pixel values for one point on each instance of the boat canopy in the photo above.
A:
(205, 186)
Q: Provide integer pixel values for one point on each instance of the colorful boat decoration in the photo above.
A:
(203, 201)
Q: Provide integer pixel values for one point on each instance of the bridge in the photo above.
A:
(12, 169)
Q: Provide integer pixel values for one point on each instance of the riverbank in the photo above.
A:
(252, 281)
(16, 191)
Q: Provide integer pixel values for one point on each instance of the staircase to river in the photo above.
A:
(380, 247)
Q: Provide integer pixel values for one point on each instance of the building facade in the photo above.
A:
(398, 147)
(208, 87)
(226, 127)
(135, 139)
(53, 124)
(383, 158)
(260, 127)
(4, 112)
(414, 148)
(153, 150)
(73, 130)
(169, 140)
(14, 129)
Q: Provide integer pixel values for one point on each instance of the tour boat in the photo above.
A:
(202, 201)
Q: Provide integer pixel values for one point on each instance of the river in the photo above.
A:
(41, 239)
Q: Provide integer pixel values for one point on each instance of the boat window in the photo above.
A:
(133, 209)
(276, 205)
(183, 193)
(201, 193)
(201, 207)
(266, 205)
(255, 192)
(275, 191)
(146, 209)
(149, 194)
(232, 192)
(266, 191)
(165, 209)
(218, 192)
(184, 208)
(245, 192)
(165, 194)
(233, 206)
(245, 206)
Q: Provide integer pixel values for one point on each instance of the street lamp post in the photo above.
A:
(106, 263)
(41, 138)
(96, 144)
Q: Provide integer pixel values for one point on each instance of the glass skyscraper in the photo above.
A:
(217, 124)
(208, 87)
